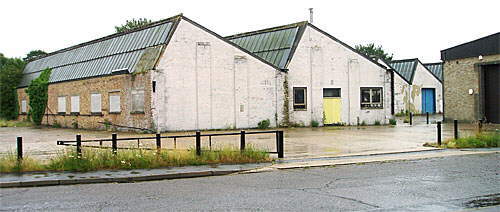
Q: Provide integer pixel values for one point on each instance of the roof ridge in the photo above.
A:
(435, 63)
(404, 60)
(270, 29)
(487, 36)
(107, 37)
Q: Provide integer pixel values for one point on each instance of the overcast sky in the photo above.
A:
(406, 28)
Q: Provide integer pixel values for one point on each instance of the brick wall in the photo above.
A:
(116, 84)
(459, 76)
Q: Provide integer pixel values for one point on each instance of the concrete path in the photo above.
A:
(127, 176)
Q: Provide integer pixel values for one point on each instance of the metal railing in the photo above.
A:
(158, 138)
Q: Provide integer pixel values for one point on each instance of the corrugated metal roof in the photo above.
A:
(436, 69)
(100, 56)
(275, 45)
(405, 68)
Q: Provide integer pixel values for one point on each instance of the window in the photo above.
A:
(300, 98)
(61, 104)
(23, 107)
(371, 98)
(75, 104)
(331, 92)
(114, 103)
(137, 101)
(95, 102)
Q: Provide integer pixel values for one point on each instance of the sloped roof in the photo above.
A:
(436, 69)
(488, 45)
(405, 68)
(103, 56)
(275, 45)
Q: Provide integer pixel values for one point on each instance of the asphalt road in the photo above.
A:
(438, 184)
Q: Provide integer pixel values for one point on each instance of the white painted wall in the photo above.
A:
(424, 79)
(401, 94)
(206, 83)
(409, 97)
(320, 62)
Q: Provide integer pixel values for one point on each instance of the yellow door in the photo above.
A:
(332, 109)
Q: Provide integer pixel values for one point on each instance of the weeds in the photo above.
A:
(104, 159)
(480, 140)
(314, 123)
(393, 122)
(14, 123)
(377, 123)
(264, 124)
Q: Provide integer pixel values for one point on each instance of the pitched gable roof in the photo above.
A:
(405, 68)
(99, 57)
(436, 69)
(275, 45)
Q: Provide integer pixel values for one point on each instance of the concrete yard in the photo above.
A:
(299, 142)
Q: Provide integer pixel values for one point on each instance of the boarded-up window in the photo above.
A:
(95, 101)
(61, 104)
(138, 101)
(23, 106)
(114, 103)
(75, 104)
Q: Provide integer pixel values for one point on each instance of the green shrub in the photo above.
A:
(38, 95)
(11, 72)
(393, 122)
(314, 123)
(363, 123)
(377, 123)
(74, 124)
(480, 140)
(56, 125)
(406, 120)
(264, 124)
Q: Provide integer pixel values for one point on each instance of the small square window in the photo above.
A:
(300, 98)
(371, 98)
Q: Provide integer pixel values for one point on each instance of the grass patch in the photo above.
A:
(14, 123)
(103, 159)
(480, 140)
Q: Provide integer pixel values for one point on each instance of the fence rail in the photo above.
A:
(198, 135)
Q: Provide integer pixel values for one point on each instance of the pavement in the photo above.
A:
(129, 176)
(452, 183)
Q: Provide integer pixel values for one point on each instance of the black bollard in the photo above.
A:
(19, 148)
(439, 133)
(198, 143)
(242, 141)
(455, 127)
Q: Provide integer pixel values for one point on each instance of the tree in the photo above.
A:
(38, 95)
(11, 72)
(132, 24)
(34, 54)
(371, 50)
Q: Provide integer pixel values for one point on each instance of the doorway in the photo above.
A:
(332, 106)
(428, 100)
(491, 87)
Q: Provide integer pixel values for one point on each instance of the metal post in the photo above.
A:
(242, 140)
(198, 143)
(210, 142)
(480, 125)
(427, 115)
(455, 127)
(19, 148)
(281, 150)
(439, 133)
(79, 145)
(158, 141)
(411, 118)
(113, 143)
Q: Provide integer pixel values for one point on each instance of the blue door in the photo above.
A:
(428, 100)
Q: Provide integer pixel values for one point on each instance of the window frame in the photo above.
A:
(339, 96)
(72, 104)
(134, 106)
(59, 104)
(371, 104)
(92, 103)
(111, 111)
(298, 106)
(24, 106)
